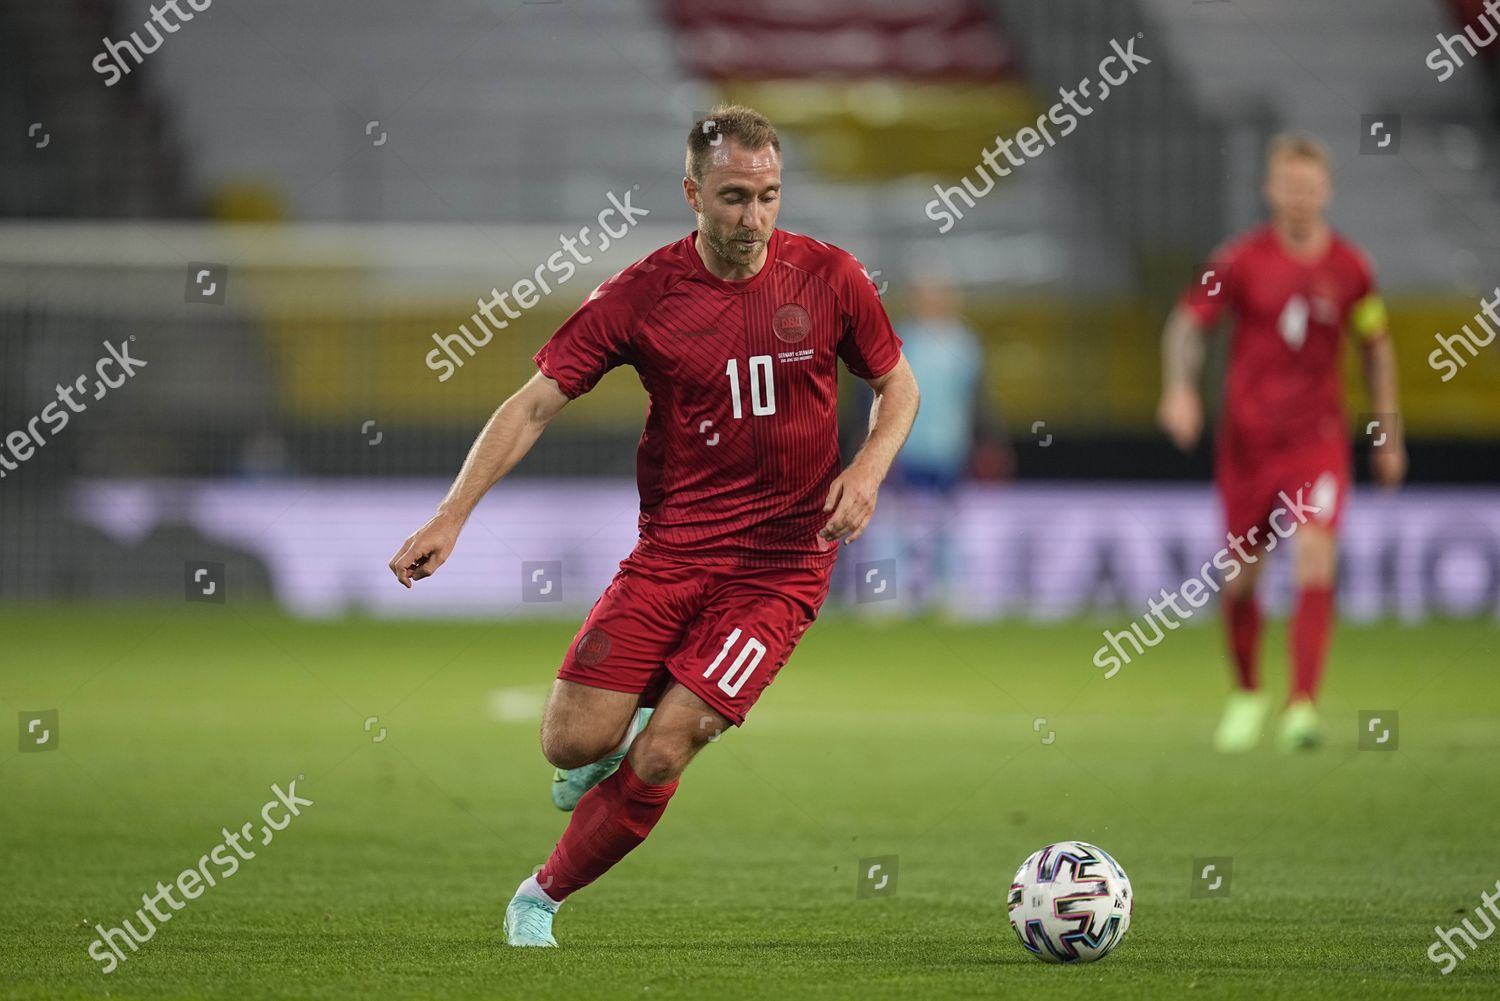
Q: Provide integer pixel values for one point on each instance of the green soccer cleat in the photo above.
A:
(528, 922)
(569, 784)
(1241, 725)
(1300, 728)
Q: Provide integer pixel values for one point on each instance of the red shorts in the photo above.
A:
(722, 632)
(1314, 478)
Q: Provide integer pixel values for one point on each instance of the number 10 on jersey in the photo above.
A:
(762, 386)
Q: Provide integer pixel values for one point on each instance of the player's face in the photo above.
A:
(931, 299)
(1297, 189)
(736, 202)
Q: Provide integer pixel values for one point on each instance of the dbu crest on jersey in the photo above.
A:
(791, 322)
(593, 648)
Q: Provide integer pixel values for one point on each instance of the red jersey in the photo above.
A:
(741, 437)
(1283, 385)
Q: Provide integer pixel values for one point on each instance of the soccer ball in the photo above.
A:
(1070, 903)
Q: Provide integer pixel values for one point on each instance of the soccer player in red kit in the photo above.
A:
(1294, 287)
(736, 332)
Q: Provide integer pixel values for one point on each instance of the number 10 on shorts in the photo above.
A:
(744, 664)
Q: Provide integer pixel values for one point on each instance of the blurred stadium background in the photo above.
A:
(352, 177)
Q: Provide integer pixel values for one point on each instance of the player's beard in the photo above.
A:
(726, 246)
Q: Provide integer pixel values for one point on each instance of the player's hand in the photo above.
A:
(851, 498)
(425, 550)
(1388, 464)
(1180, 415)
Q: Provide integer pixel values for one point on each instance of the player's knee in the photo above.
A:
(565, 750)
(658, 768)
(562, 754)
(1237, 589)
(1242, 584)
(1317, 561)
(662, 760)
(1316, 573)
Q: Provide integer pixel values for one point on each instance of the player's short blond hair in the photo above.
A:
(1301, 146)
(745, 126)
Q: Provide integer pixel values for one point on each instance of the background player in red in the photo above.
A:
(736, 332)
(1294, 287)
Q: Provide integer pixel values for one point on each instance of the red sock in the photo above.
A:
(610, 820)
(1242, 617)
(1312, 621)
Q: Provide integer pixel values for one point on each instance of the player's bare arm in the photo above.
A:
(1388, 458)
(851, 497)
(505, 440)
(1180, 412)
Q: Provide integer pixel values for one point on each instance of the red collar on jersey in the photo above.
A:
(744, 284)
(1311, 263)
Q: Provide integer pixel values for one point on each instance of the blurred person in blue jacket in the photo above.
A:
(948, 359)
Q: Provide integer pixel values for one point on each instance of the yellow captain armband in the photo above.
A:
(1368, 317)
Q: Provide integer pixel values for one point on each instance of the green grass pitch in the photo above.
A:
(914, 739)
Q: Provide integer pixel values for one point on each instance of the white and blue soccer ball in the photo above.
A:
(1070, 903)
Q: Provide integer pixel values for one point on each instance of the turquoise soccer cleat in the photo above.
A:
(528, 922)
(569, 784)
